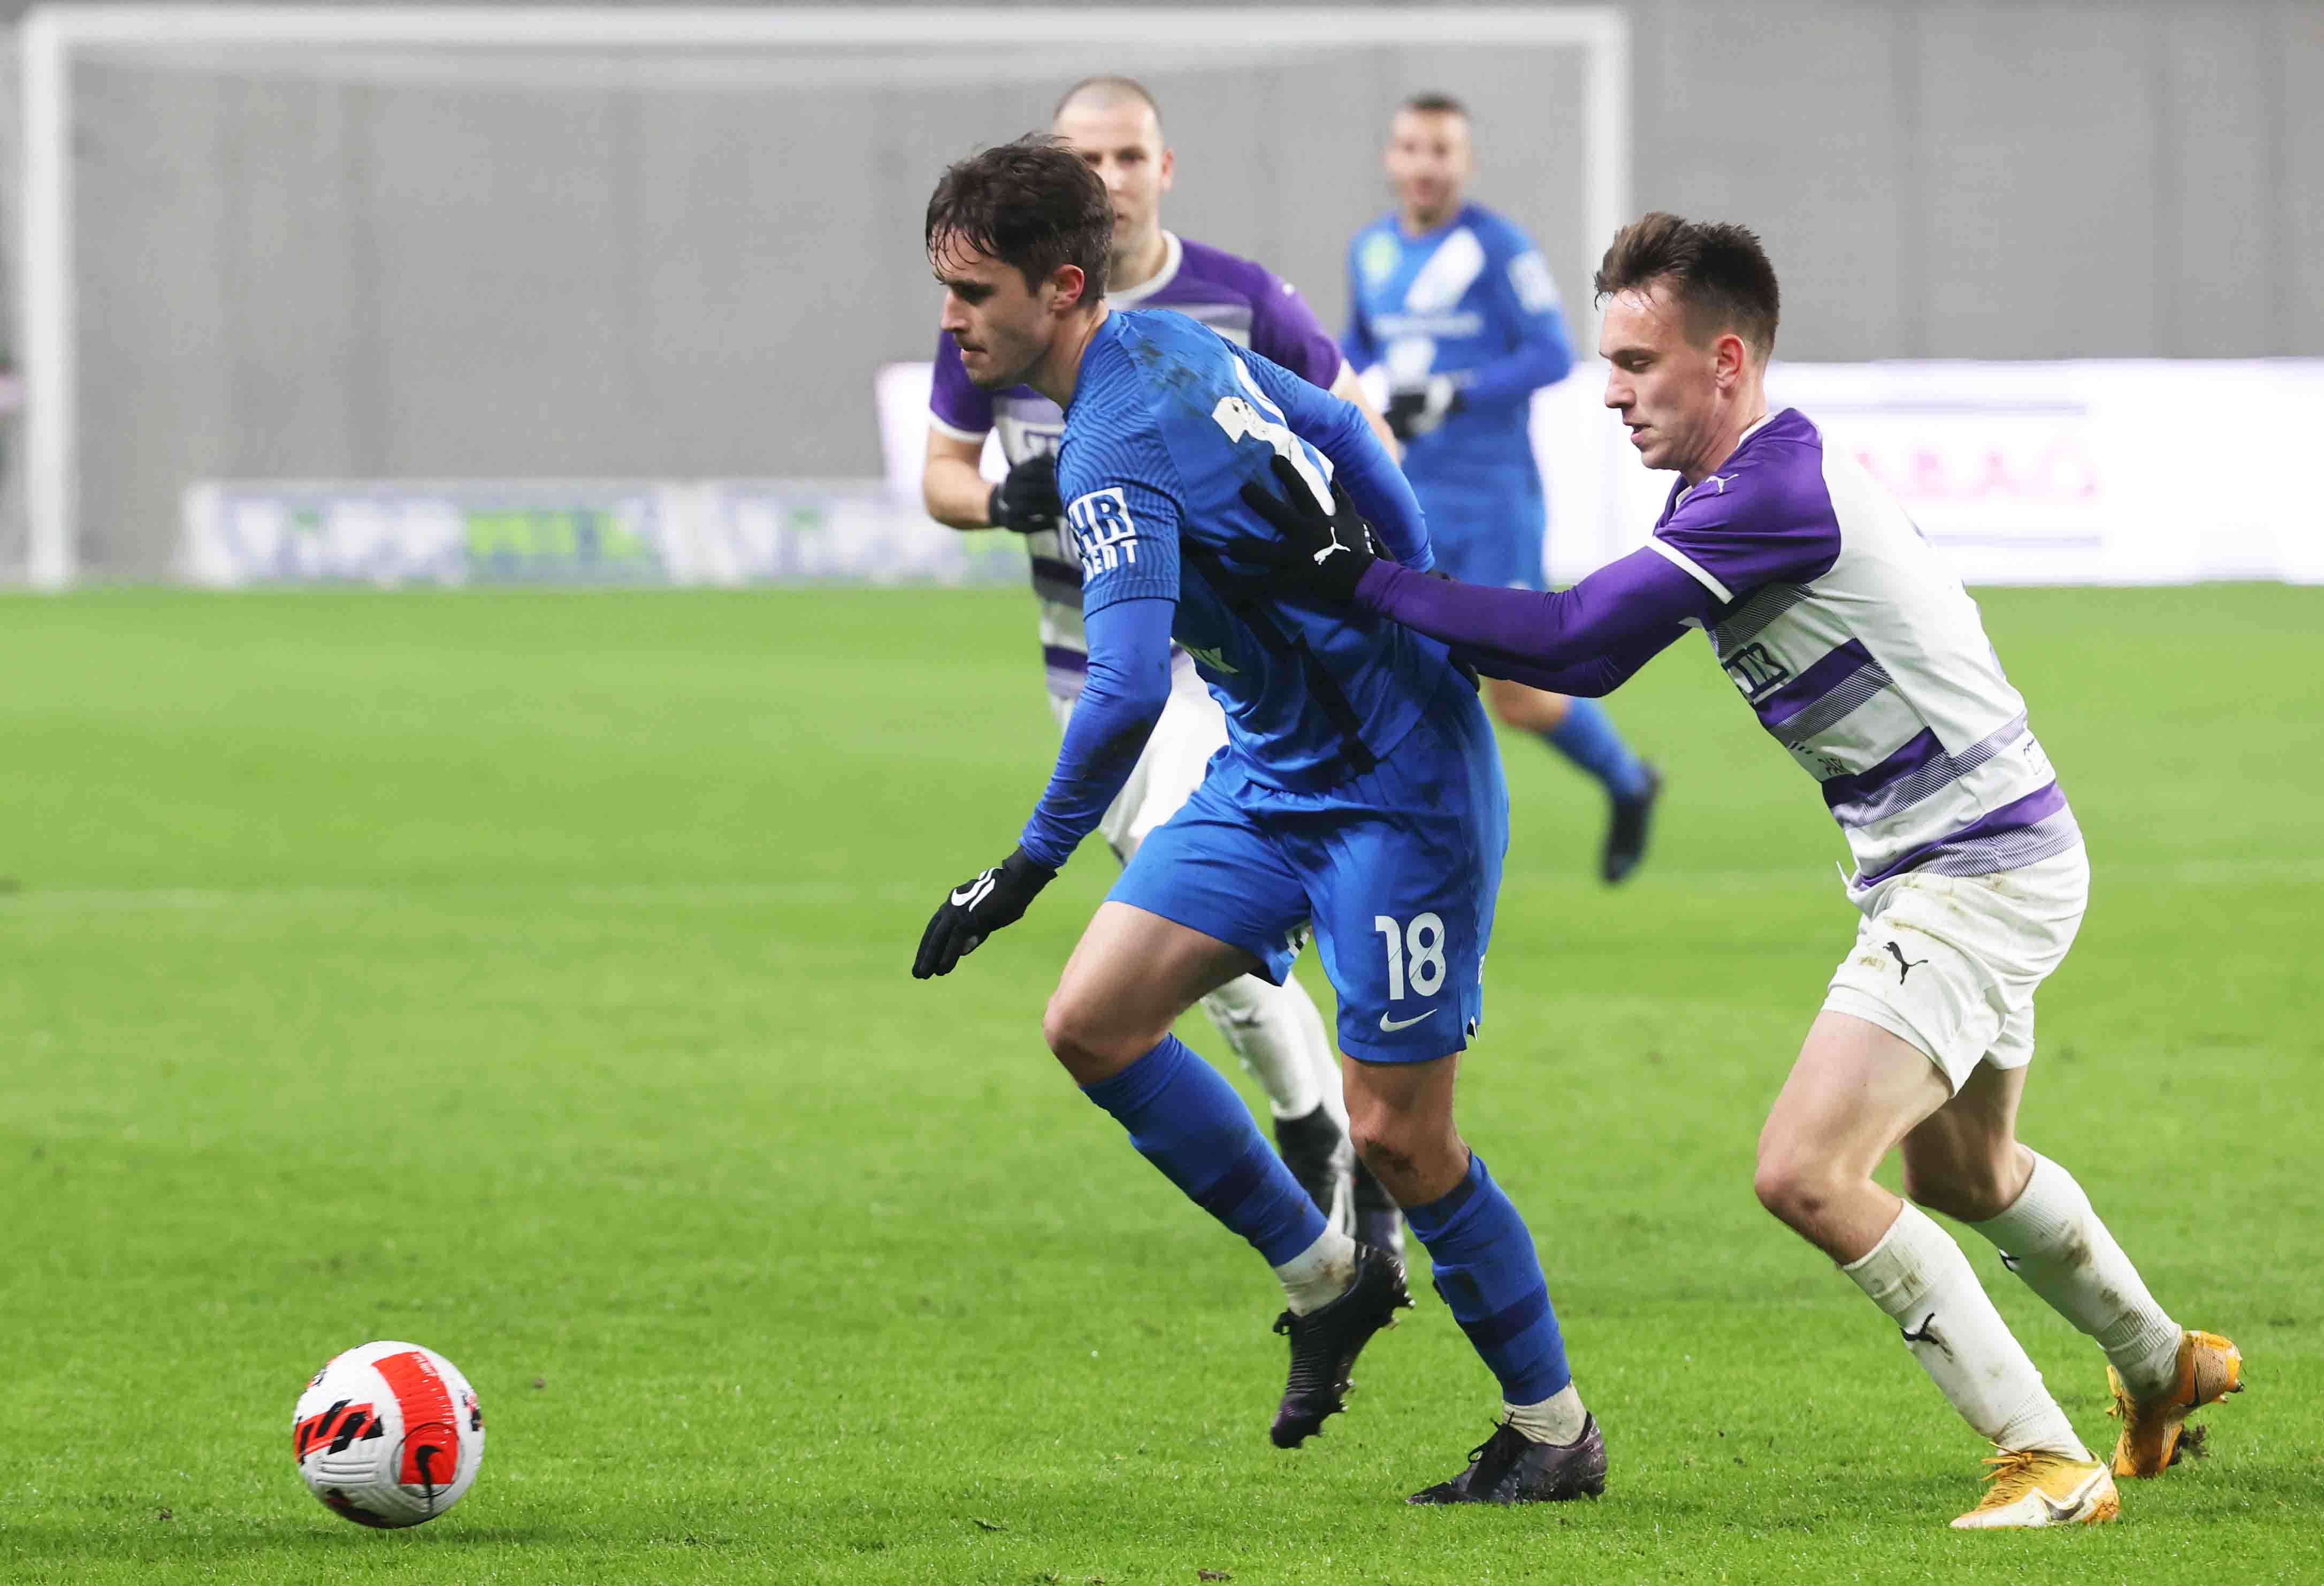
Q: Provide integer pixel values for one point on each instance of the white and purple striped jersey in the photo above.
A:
(1852, 641)
(1861, 654)
(1244, 302)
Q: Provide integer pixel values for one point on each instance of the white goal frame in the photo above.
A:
(51, 37)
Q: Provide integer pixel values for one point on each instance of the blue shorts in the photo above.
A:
(1491, 538)
(1398, 869)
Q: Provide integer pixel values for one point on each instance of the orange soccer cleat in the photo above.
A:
(2211, 1368)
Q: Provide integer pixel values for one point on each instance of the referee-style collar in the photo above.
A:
(1174, 253)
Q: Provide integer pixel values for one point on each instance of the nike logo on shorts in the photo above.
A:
(1392, 1025)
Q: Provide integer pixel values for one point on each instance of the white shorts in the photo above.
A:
(1949, 963)
(1191, 730)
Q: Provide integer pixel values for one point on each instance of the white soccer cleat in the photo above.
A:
(2033, 1489)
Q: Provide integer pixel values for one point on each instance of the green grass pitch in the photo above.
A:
(525, 975)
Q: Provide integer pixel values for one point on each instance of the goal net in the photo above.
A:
(542, 292)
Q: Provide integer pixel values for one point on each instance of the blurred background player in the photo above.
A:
(1277, 1031)
(1456, 304)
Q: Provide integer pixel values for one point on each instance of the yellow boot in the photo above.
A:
(2209, 1368)
(2032, 1489)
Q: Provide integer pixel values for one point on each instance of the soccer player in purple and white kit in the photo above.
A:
(1277, 1031)
(1862, 655)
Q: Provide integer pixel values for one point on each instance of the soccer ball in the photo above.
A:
(388, 1435)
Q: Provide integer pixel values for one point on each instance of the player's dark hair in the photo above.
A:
(1125, 87)
(1435, 104)
(1718, 272)
(1033, 204)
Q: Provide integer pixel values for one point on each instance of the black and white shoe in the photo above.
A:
(1378, 1224)
(1324, 1344)
(1626, 832)
(1320, 1157)
(1508, 1467)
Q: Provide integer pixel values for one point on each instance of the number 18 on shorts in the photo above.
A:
(1397, 868)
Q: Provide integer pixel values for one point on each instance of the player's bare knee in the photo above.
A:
(1082, 1038)
(1411, 1155)
(1387, 1156)
(1797, 1190)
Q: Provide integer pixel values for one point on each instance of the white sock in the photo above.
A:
(1556, 1419)
(1279, 1036)
(1319, 1274)
(2051, 1237)
(1919, 1276)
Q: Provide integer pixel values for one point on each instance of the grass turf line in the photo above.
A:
(525, 975)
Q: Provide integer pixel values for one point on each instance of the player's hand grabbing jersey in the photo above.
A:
(1853, 643)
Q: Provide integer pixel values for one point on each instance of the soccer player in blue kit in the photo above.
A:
(1359, 789)
(1278, 1031)
(1458, 308)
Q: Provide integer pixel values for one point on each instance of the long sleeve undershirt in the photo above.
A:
(1586, 640)
(1128, 684)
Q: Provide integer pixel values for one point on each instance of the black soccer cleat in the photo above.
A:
(1320, 1157)
(1324, 1345)
(1626, 831)
(1508, 1467)
(1378, 1224)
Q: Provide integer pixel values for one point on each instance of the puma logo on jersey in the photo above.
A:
(1903, 967)
(1714, 483)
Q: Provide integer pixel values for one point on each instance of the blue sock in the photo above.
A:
(1188, 1121)
(1490, 1280)
(1587, 737)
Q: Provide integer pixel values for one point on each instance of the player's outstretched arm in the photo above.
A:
(1128, 684)
(1586, 640)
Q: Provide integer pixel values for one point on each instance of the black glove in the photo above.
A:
(1415, 410)
(976, 908)
(1025, 503)
(1321, 553)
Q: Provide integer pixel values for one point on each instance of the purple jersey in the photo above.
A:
(1244, 302)
(1846, 635)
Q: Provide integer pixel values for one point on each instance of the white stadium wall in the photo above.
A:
(2069, 472)
(294, 262)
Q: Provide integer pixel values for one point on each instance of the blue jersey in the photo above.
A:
(1472, 299)
(1167, 421)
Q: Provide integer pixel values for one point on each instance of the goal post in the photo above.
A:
(603, 47)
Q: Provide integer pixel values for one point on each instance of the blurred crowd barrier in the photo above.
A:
(2093, 472)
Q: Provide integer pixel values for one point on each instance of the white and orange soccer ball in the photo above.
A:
(388, 1435)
